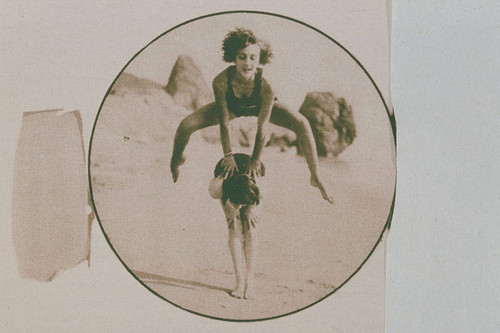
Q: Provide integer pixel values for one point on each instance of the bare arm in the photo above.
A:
(267, 103)
(219, 85)
(266, 107)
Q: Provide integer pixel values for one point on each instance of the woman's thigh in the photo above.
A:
(205, 116)
(282, 116)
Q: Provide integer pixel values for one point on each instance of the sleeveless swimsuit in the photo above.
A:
(245, 106)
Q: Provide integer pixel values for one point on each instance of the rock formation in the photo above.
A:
(331, 121)
(129, 83)
(186, 84)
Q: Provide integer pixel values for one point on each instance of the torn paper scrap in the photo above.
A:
(50, 225)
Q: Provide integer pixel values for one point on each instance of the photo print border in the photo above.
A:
(390, 114)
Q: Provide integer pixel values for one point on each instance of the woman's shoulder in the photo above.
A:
(221, 79)
(266, 84)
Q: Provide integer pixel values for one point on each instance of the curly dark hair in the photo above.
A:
(240, 38)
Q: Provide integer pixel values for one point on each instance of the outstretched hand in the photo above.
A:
(252, 219)
(229, 166)
(248, 215)
(254, 168)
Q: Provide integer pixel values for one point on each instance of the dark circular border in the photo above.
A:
(392, 120)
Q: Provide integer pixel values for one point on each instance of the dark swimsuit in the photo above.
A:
(245, 106)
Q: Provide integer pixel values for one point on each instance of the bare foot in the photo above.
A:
(316, 183)
(238, 292)
(174, 167)
(249, 291)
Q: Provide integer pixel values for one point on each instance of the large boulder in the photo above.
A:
(187, 86)
(331, 122)
(128, 83)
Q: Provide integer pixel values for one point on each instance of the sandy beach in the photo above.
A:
(173, 237)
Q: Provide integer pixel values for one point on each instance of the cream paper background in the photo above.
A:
(443, 248)
(65, 55)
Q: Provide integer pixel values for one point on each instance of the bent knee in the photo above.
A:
(301, 125)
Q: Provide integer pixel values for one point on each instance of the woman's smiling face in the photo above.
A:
(247, 60)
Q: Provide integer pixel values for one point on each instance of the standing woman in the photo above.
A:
(239, 196)
(242, 91)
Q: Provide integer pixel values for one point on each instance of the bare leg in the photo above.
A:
(250, 248)
(235, 248)
(296, 122)
(250, 245)
(204, 117)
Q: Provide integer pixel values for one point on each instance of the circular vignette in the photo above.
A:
(390, 115)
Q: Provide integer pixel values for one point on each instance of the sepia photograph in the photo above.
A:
(242, 166)
(231, 167)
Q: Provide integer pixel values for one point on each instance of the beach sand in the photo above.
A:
(173, 237)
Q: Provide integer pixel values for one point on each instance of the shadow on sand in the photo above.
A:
(150, 278)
